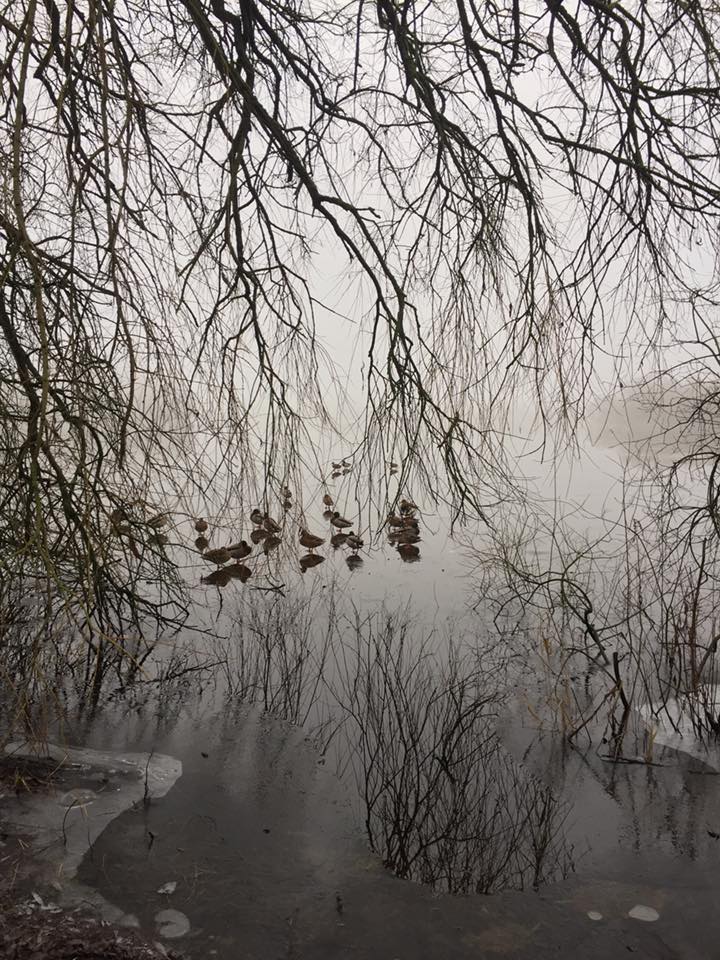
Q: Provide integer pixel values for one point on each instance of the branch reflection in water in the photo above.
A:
(411, 718)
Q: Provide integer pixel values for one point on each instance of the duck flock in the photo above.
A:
(403, 533)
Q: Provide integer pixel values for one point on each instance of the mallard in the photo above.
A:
(218, 555)
(328, 500)
(340, 522)
(272, 526)
(201, 525)
(158, 521)
(408, 551)
(238, 571)
(271, 543)
(404, 536)
(258, 534)
(309, 540)
(256, 517)
(310, 560)
(218, 578)
(238, 551)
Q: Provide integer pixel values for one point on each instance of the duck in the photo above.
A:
(340, 522)
(310, 560)
(354, 561)
(256, 517)
(338, 539)
(404, 536)
(218, 555)
(408, 551)
(218, 578)
(158, 521)
(271, 543)
(238, 571)
(238, 551)
(328, 500)
(202, 543)
(258, 534)
(354, 542)
(201, 525)
(272, 526)
(309, 540)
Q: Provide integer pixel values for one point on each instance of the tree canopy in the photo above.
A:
(503, 190)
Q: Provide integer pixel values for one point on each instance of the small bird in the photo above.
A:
(407, 506)
(256, 517)
(310, 560)
(337, 466)
(286, 504)
(338, 539)
(271, 543)
(202, 543)
(219, 555)
(309, 540)
(258, 534)
(272, 526)
(354, 542)
(340, 522)
(327, 514)
(394, 521)
(328, 500)
(354, 561)
(287, 493)
(345, 465)
(201, 525)
(238, 551)
(393, 465)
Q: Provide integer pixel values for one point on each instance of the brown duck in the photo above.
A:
(219, 555)
(309, 540)
(340, 522)
(238, 551)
